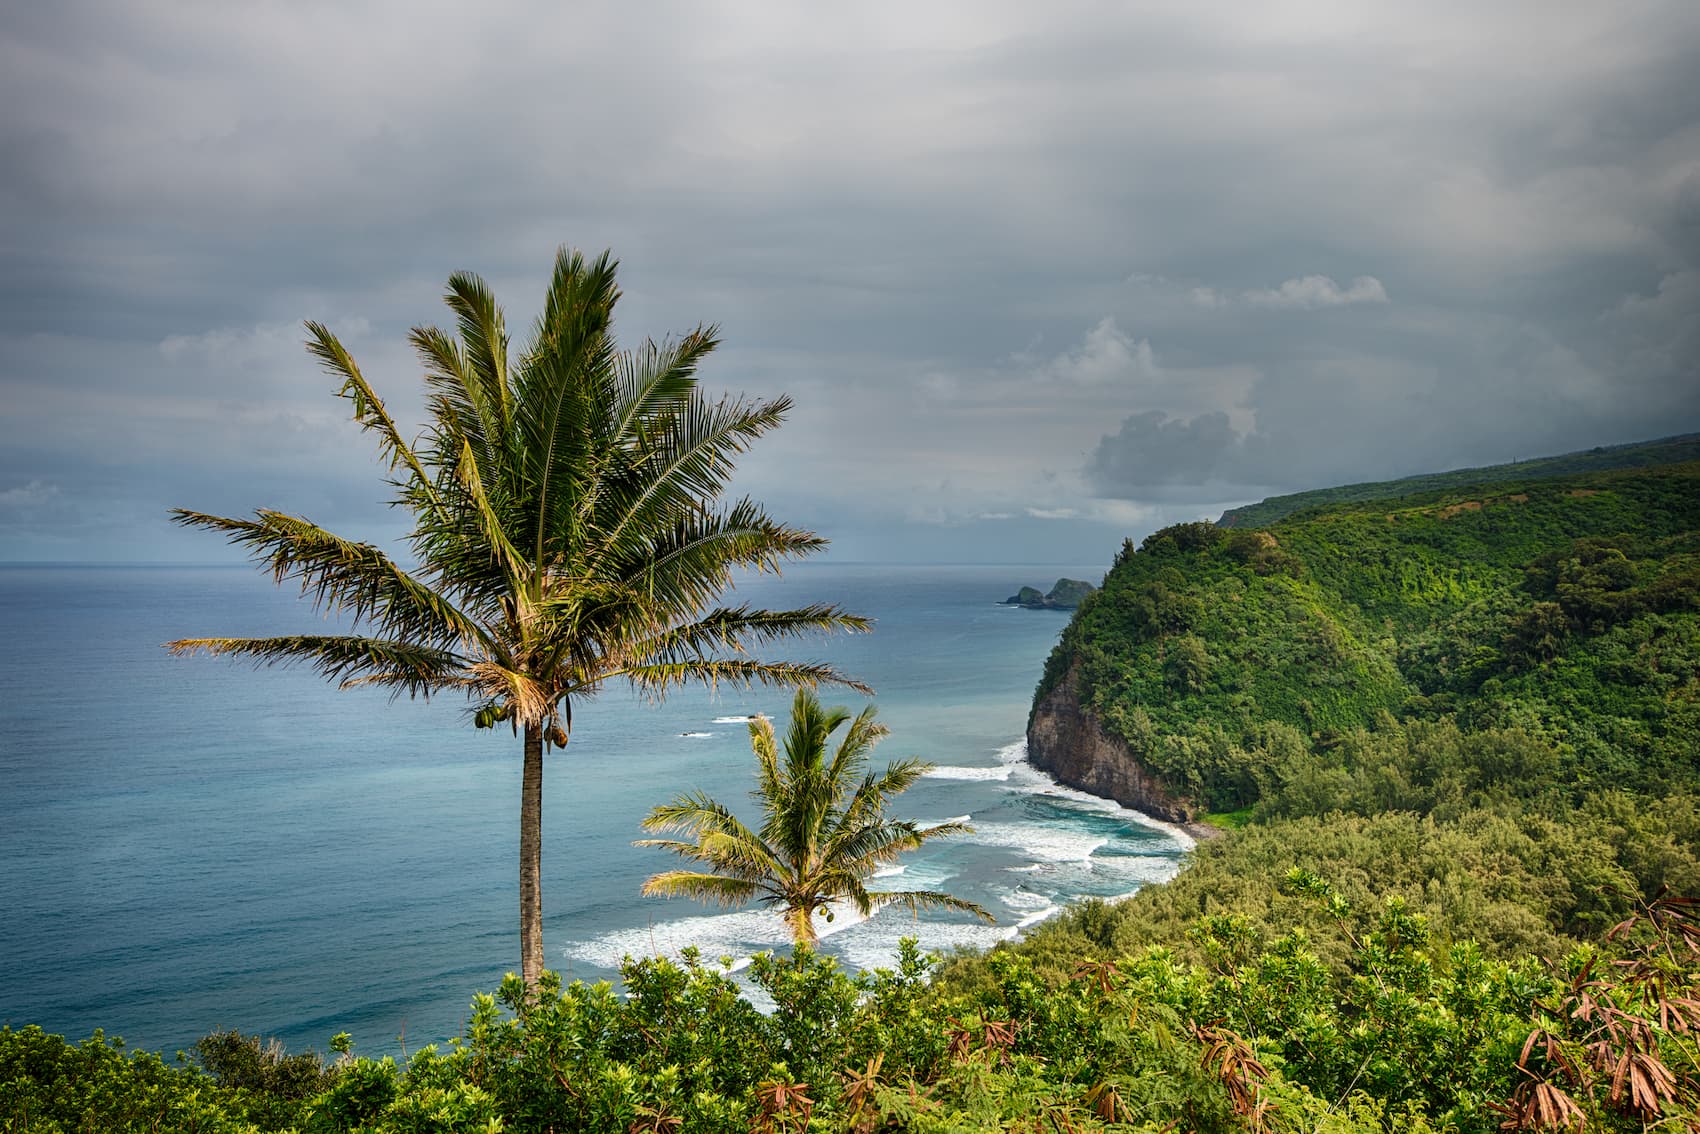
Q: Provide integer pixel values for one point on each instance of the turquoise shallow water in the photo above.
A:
(186, 844)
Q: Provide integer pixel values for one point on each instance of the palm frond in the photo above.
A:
(943, 830)
(685, 457)
(369, 410)
(656, 678)
(851, 755)
(478, 318)
(703, 887)
(864, 849)
(722, 840)
(564, 392)
(703, 816)
(405, 666)
(738, 629)
(869, 801)
(458, 403)
(692, 811)
(741, 856)
(338, 574)
(501, 549)
(658, 378)
(770, 782)
(686, 563)
(917, 900)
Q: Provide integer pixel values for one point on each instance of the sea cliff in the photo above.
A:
(1334, 662)
(1067, 741)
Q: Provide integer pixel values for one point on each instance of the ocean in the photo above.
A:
(188, 845)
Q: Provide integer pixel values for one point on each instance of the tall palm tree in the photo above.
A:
(824, 831)
(567, 529)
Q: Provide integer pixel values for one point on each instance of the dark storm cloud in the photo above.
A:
(1031, 275)
(1153, 449)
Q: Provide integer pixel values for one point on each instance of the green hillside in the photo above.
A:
(1482, 701)
(1642, 454)
(1238, 662)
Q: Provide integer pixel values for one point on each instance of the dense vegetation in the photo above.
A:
(1455, 734)
(1425, 654)
(1404, 1033)
(1481, 702)
(1643, 454)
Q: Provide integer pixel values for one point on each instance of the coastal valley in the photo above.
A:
(1438, 741)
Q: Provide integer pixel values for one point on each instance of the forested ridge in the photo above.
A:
(1484, 700)
(1553, 622)
(1640, 454)
(1454, 735)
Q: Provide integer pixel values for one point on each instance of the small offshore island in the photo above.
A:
(1066, 594)
(1450, 728)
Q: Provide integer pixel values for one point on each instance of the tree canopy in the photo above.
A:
(824, 832)
(568, 529)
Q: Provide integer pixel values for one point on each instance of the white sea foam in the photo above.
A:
(1023, 899)
(875, 944)
(1037, 916)
(732, 720)
(1100, 876)
(923, 824)
(953, 772)
(1026, 778)
(921, 874)
(696, 735)
(1064, 858)
(1040, 842)
(715, 935)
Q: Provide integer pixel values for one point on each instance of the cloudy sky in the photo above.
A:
(1037, 276)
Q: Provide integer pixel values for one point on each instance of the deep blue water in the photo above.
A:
(188, 844)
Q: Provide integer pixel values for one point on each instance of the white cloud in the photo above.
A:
(26, 497)
(263, 343)
(1309, 292)
(887, 212)
(1106, 354)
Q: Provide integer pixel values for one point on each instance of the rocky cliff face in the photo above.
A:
(1068, 742)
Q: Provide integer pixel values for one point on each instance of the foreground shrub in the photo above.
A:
(48, 1086)
(1387, 1029)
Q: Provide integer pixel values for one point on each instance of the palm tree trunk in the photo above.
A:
(802, 926)
(531, 858)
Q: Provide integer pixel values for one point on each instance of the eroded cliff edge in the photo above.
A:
(1068, 742)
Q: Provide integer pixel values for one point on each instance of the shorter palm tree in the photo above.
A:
(825, 831)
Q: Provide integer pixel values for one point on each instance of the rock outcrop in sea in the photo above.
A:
(1065, 595)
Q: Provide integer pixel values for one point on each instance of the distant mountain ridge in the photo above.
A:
(1639, 454)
